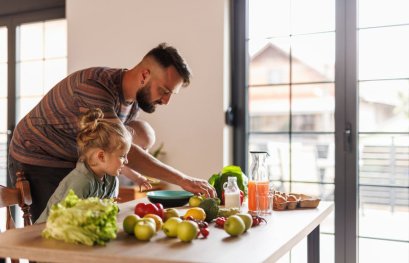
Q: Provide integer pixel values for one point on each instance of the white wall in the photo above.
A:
(117, 33)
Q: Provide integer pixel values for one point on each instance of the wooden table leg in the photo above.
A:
(313, 246)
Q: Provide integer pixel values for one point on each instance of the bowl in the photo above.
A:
(169, 198)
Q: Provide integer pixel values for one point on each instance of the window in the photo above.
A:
(3, 105)
(291, 115)
(289, 97)
(33, 57)
(41, 61)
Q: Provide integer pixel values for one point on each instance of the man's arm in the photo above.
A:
(143, 162)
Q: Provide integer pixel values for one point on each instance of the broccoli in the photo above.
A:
(211, 208)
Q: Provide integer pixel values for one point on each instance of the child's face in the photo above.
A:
(115, 161)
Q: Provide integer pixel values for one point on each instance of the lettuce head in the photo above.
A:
(82, 221)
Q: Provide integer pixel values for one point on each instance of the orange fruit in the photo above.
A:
(158, 220)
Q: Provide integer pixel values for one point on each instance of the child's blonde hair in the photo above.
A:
(96, 132)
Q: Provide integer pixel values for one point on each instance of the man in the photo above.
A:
(44, 141)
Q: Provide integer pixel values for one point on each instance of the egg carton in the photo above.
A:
(283, 201)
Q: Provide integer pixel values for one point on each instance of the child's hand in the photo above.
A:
(137, 178)
(142, 181)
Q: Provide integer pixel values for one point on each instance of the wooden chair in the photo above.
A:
(21, 196)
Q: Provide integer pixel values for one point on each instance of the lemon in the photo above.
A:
(196, 213)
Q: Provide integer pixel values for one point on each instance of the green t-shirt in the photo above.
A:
(85, 184)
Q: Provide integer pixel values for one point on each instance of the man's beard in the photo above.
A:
(143, 97)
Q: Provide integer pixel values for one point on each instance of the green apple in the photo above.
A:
(170, 227)
(187, 230)
(247, 219)
(144, 230)
(234, 225)
(170, 212)
(195, 200)
(129, 223)
(148, 220)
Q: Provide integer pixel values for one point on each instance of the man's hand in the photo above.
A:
(198, 186)
(146, 164)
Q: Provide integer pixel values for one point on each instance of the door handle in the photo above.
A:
(348, 137)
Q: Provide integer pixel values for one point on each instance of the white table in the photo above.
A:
(264, 243)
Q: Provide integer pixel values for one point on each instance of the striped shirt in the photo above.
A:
(46, 136)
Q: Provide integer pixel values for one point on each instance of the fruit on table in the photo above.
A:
(247, 219)
(187, 230)
(234, 225)
(257, 220)
(129, 223)
(144, 230)
(196, 213)
(204, 231)
(170, 212)
(161, 210)
(211, 208)
(220, 221)
(203, 227)
(170, 226)
(157, 219)
(148, 220)
(141, 209)
(195, 200)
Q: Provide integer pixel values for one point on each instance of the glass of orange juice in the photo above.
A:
(259, 199)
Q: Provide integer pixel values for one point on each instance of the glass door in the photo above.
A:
(383, 87)
(324, 88)
(291, 100)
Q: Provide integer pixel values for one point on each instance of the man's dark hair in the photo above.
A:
(168, 56)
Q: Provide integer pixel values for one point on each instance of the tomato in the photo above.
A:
(204, 231)
(161, 210)
(140, 209)
(151, 209)
(220, 221)
(257, 220)
(159, 206)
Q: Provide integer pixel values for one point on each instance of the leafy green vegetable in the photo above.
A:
(217, 180)
(82, 221)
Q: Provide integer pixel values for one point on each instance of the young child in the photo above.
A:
(103, 147)
(143, 136)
